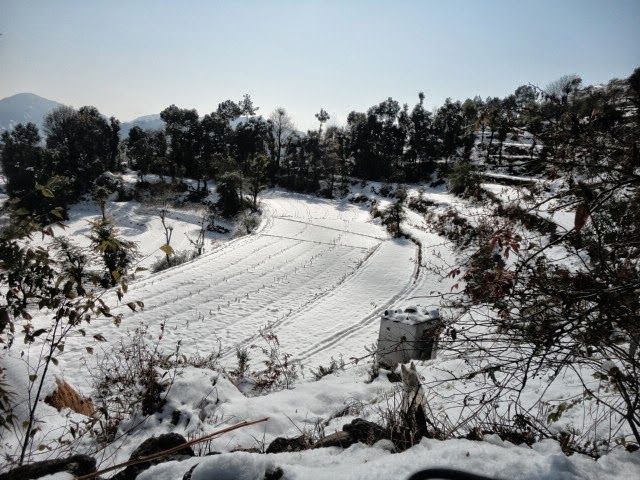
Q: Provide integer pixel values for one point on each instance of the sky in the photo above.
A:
(133, 58)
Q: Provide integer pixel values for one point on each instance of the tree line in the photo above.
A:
(388, 142)
(561, 318)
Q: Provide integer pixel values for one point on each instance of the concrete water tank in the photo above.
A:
(408, 334)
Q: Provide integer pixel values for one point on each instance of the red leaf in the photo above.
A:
(582, 215)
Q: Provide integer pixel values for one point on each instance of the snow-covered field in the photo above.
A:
(319, 273)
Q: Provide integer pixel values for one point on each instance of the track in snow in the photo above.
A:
(317, 272)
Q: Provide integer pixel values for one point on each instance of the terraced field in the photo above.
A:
(317, 272)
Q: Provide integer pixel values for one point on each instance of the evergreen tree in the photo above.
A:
(22, 159)
(448, 124)
(183, 128)
(258, 166)
(229, 198)
(114, 143)
(80, 144)
(421, 141)
(322, 117)
(251, 139)
(393, 216)
(229, 111)
(246, 107)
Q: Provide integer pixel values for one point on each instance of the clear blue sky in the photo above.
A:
(131, 58)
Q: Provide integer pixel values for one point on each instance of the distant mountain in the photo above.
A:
(23, 108)
(147, 122)
(28, 107)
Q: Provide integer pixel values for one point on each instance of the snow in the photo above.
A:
(546, 461)
(319, 264)
(320, 274)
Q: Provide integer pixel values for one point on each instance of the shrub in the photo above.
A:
(359, 198)
(420, 204)
(230, 201)
(280, 372)
(334, 366)
(385, 190)
(178, 258)
(464, 180)
(126, 379)
(392, 216)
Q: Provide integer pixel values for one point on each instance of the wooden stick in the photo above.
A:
(153, 456)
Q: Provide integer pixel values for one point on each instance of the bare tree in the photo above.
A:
(562, 87)
(281, 130)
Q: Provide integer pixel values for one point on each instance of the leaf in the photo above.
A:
(167, 249)
(99, 337)
(140, 304)
(54, 360)
(33, 377)
(89, 350)
(582, 215)
(456, 286)
(56, 213)
(132, 306)
(39, 332)
(44, 190)
(22, 212)
(104, 305)
(454, 273)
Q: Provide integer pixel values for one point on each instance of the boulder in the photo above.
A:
(282, 444)
(363, 431)
(76, 465)
(154, 445)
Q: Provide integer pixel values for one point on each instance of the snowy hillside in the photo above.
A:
(321, 265)
(318, 273)
(146, 122)
(28, 107)
(24, 108)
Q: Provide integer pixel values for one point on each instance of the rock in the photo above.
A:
(76, 465)
(187, 476)
(275, 474)
(338, 439)
(65, 396)
(363, 431)
(154, 445)
(394, 377)
(282, 444)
